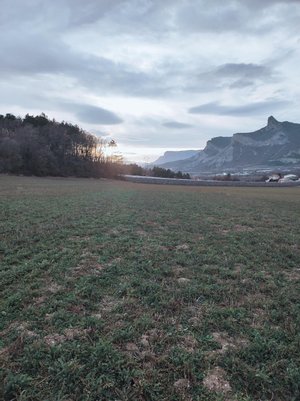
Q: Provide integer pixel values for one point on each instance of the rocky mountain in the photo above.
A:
(275, 145)
(172, 156)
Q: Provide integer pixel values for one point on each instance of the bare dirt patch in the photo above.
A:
(53, 288)
(182, 385)
(54, 339)
(183, 280)
(216, 381)
(227, 343)
(182, 247)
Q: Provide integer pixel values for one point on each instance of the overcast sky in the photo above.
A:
(155, 75)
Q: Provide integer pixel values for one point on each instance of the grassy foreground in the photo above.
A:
(119, 291)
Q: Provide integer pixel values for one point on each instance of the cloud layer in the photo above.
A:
(170, 74)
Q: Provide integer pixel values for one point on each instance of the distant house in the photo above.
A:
(289, 177)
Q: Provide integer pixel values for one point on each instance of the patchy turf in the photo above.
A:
(119, 291)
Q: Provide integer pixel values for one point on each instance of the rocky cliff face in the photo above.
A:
(277, 144)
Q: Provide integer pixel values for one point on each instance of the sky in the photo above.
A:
(154, 75)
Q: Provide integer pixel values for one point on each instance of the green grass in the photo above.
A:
(119, 291)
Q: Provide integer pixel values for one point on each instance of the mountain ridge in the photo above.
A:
(173, 155)
(276, 144)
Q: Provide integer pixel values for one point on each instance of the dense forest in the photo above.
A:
(36, 145)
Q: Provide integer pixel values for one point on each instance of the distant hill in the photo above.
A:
(277, 144)
(172, 156)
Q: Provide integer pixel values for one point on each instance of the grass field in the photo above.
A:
(119, 291)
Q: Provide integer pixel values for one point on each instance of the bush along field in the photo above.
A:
(119, 291)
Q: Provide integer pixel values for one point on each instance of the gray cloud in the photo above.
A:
(249, 70)
(33, 42)
(241, 84)
(233, 75)
(257, 108)
(164, 55)
(233, 16)
(34, 54)
(92, 114)
(176, 125)
(63, 14)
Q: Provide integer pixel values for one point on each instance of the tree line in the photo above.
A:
(157, 172)
(36, 145)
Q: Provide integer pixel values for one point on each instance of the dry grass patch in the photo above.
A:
(40, 300)
(79, 238)
(227, 343)
(94, 269)
(142, 233)
(259, 318)
(198, 313)
(52, 287)
(182, 385)
(108, 304)
(189, 344)
(242, 228)
(292, 275)
(88, 265)
(131, 347)
(163, 248)
(54, 339)
(114, 261)
(238, 268)
(69, 334)
(21, 328)
(4, 353)
(177, 270)
(145, 341)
